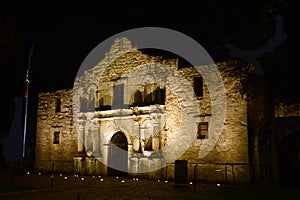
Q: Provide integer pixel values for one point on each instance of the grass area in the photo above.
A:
(16, 188)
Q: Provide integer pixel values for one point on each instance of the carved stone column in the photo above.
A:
(96, 138)
(136, 138)
(155, 139)
(81, 136)
(142, 139)
(106, 148)
(97, 106)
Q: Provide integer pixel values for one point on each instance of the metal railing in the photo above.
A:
(226, 173)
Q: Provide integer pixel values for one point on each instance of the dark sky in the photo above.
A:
(63, 35)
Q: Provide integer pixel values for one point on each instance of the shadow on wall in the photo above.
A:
(289, 160)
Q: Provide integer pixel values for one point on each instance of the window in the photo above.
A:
(202, 130)
(137, 99)
(198, 83)
(148, 89)
(57, 105)
(159, 95)
(118, 96)
(56, 137)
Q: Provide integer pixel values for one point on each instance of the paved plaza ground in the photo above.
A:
(39, 186)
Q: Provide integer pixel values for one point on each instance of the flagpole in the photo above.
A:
(26, 99)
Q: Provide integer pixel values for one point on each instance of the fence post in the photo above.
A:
(253, 173)
(226, 178)
(195, 177)
(51, 180)
(52, 175)
(167, 171)
(232, 173)
(52, 167)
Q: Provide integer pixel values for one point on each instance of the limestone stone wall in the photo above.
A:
(231, 148)
(56, 140)
(155, 121)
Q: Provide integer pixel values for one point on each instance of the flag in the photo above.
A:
(26, 87)
(27, 74)
(26, 97)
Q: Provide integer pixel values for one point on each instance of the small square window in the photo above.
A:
(56, 137)
(202, 130)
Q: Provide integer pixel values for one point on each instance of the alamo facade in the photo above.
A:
(140, 113)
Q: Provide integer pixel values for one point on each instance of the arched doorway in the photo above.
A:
(118, 155)
(289, 159)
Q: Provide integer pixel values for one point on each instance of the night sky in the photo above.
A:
(63, 35)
